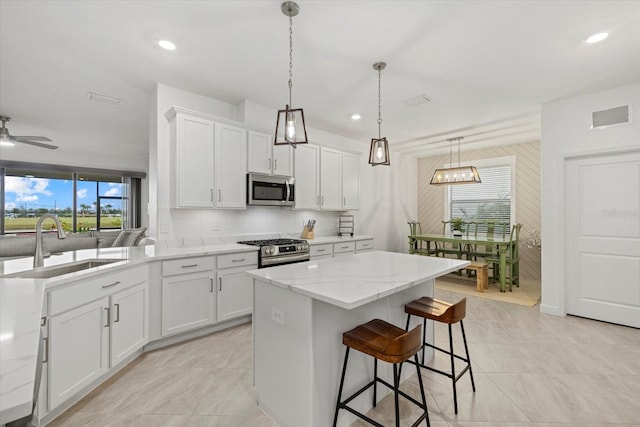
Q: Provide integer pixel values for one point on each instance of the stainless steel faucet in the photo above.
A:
(38, 257)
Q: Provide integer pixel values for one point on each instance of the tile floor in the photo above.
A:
(531, 369)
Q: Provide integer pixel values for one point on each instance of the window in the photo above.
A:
(491, 200)
(83, 199)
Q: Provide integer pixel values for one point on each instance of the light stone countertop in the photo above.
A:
(350, 281)
(21, 301)
(337, 239)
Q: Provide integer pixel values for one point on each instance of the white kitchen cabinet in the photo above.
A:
(235, 288)
(192, 161)
(83, 334)
(230, 167)
(129, 322)
(330, 179)
(188, 298)
(364, 245)
(78, 349)
(317, 252)
(307, 184)
(266, 158)
(350, 181)
(346, 248)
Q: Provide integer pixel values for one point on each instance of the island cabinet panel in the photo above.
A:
(78, 349)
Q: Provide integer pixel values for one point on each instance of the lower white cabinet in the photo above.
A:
(364, 245)
(187, 302)
(129, 322)
(78, 349)
(94, 325)
(235, 288)
(345, 248)
(321, 251)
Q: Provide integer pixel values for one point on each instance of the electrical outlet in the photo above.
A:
(277, 315)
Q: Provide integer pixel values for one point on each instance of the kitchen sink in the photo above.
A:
(59, 270)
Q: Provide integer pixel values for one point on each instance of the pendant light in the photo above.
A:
(379, 153)
(459, 175)
(290, 127)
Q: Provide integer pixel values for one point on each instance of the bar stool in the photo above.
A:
(390, 344)
(444, 312)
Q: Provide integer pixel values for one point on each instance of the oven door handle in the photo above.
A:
(284, 259)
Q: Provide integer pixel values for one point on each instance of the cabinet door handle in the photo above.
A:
(220, 288)
(112, 284)
(108, 317)
(275, 164)
(238, 260)
(211, 195)
(189, 265)
(322, 198)
(321, 250)
(45, 353)
(344, 247)
(219, 195)
(269, 161)
(344, 201)
(43, 321)
(211, 288)
(117, 306)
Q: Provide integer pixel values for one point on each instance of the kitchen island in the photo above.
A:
(300, 313)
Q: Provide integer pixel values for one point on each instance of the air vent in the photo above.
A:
(103, 98)
(610, 117)
(416, 100)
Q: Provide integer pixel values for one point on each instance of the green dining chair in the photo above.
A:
(513, 259)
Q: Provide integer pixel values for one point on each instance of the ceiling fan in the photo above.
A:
(7, 139)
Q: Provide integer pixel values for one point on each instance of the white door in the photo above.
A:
(306, 183)
(330, 179)
(231, 167)
(129, 325)
(78, 349)
(602, 226)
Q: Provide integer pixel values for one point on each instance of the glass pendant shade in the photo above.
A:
(379, 153)
(290, 127)
(458, 175)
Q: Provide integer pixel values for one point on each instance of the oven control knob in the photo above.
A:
(267, 250)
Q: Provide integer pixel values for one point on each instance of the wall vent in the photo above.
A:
(612, 116)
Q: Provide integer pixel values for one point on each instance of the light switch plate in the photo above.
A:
(277, 315)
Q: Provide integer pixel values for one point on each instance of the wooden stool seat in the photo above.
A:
(448, 313)
(383, 341)
(386, 342)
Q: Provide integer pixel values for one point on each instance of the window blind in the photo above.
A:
(488, 201)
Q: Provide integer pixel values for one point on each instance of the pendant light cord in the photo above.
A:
(379, 103)
(290, 58)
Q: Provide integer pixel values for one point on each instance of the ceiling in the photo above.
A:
(486, 66)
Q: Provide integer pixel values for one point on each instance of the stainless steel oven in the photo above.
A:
(280, 251)
(267, 190)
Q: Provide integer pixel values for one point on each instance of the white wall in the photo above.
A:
(566, 132)
(388, 194)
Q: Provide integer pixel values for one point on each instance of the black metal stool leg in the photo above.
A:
(466, 349)
(424, 336)
(344, 370)
(396, 386)
(424, 397)
(453, 371)
(375, 381)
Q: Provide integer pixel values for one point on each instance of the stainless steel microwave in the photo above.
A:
(267, 190)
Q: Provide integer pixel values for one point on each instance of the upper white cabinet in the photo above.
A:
(266, 158)
(330, 179)
(192, 161)
(350, 181)
(208, 161)
(307, 170)
(326, 179)
(230, 167)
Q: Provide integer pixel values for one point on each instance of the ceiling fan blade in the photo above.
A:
(33, 138)
(37, 144)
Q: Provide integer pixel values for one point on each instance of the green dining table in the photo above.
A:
(499, 245)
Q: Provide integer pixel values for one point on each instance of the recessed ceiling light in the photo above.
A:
(166, 44)
(356, 116)
(597, 38)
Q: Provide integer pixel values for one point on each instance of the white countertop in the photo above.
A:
(338, 239)
(21, 302)
(350, 281)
